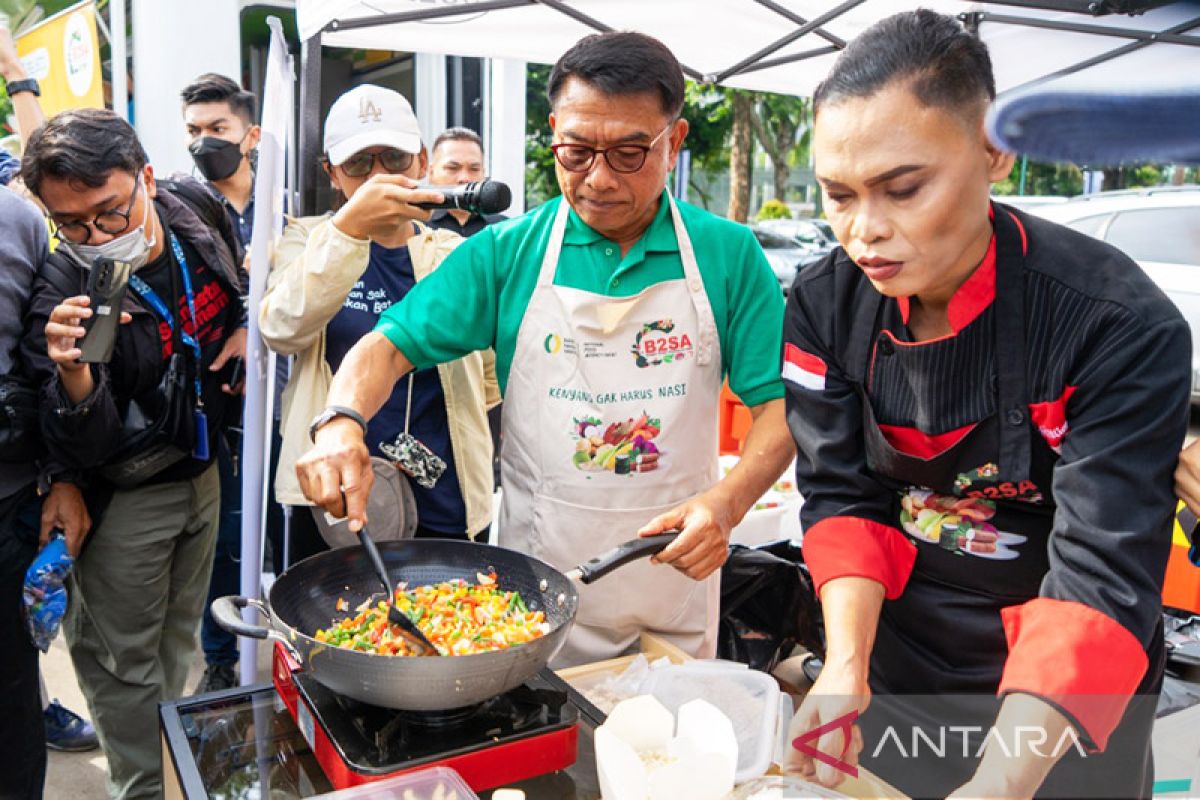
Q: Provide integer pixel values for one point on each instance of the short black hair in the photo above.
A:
(457, 134)
(214, 88)
(82, 146)
(622, 63)
(949, 67)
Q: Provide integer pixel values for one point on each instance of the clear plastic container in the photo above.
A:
(759, 711)
(435, 783)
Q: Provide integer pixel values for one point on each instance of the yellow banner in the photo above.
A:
(63, 54)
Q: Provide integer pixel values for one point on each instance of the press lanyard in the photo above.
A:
(163, 310)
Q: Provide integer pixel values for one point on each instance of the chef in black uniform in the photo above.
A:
(987, 409)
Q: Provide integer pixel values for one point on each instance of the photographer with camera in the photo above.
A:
(139, 416)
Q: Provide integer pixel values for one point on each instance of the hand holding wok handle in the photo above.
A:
(621, 555)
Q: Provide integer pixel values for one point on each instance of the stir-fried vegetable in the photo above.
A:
(460, 618)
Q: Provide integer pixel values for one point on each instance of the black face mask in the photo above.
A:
(216, 159)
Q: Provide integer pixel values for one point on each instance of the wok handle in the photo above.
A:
(622, 554)
(226, 612)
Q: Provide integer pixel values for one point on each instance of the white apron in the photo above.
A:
(610, 419)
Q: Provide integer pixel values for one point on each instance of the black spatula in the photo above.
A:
(408, 629)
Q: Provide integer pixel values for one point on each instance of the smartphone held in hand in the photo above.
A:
(106, 287)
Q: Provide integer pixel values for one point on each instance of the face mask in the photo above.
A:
(216, 159)
(130, 247)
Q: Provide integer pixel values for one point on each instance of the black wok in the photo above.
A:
(303, 599)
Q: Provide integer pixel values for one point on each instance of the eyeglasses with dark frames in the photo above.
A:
(112, 222)
(622, 158)
(392, 159)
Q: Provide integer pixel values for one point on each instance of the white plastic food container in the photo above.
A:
(759, 711)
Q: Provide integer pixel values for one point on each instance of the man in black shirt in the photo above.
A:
(141, 436)
(222, 135)
(457, 158)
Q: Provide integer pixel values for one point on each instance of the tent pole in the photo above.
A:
(778, 62)
(310, 123)
(1096, 30)
(1132, 47)
(787, 14)
(1024, 171)
(779, 44)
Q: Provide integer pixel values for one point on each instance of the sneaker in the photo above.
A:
(67, 731)
(217, 677)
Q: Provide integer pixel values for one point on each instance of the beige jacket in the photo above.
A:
(315, 267)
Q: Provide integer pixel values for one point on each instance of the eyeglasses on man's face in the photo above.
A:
(622, 158)
(111, 222)
(360, 164)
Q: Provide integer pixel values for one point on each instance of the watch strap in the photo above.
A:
(330, 414)
(25, 85)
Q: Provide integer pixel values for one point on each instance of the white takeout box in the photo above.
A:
(637, 758)
(752, 701)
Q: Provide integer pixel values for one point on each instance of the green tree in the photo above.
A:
(741, 154)
(781, 125)
(1043, 179)
(774, 209)
(540, 183)
(710, 118)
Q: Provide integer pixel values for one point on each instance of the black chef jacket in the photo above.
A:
(1039, 574)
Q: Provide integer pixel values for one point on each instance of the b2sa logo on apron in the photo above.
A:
(658, 343)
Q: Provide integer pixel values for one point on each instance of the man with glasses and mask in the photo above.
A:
(141, 427)
(615, 313)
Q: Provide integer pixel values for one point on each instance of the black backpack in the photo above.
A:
(200, 199)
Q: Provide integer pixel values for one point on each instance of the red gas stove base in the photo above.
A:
(484, 768)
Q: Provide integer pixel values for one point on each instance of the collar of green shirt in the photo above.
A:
(658, 238)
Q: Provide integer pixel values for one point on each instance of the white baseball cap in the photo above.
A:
(370, 116)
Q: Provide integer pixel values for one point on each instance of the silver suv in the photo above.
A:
(1158, 228)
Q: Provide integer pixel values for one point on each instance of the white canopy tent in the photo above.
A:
(784, 46)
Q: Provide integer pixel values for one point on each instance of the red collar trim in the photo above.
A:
(975, 295)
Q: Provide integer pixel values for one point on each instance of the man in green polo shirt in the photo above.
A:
(615, 314)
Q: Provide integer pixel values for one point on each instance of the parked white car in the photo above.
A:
(1160, 229)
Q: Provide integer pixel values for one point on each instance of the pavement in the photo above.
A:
(80, 776)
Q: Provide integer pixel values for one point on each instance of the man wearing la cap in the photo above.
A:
(615, 314)
(333, 276)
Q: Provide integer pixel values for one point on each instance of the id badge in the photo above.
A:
(411, 455)
(200, 450)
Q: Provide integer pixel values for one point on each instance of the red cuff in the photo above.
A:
(1077, 658)
(839, 547)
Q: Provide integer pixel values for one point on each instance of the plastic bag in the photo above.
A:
(44, 596)
(768, 606)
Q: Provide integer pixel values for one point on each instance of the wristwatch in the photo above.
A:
(26, 85)
(331, 413)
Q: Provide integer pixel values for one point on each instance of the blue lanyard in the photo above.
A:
(150, 296)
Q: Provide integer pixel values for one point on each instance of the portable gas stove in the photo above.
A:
(528, 731)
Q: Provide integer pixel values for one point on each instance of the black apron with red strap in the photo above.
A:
(981, 513)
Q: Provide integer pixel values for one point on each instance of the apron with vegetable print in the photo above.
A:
(610, 419)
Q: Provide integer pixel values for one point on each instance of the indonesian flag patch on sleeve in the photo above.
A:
(803, 368)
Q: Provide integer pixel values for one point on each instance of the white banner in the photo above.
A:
(269, 189)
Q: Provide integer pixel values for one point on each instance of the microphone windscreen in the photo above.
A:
(494, 197)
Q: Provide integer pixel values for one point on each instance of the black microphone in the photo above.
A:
(479, 197)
